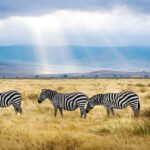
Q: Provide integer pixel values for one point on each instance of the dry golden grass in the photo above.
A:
(38, 129)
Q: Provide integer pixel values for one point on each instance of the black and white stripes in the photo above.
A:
(72, 101)
(11, 98)
(66, 101)
(115, 101)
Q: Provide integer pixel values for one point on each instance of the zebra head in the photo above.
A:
(46, 93)
(90, 105)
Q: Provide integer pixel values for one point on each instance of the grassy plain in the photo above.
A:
(38, 129)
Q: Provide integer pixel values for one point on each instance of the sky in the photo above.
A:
(89, 23)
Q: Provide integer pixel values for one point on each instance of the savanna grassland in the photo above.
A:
(38, 129)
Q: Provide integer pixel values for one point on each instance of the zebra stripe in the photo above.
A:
(115, 101)
(66, 101)
(11, 98)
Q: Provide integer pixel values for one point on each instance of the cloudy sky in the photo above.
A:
(43, 23)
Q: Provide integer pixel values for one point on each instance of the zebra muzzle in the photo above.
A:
(39, 101)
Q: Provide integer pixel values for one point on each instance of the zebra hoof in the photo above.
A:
(136, 113)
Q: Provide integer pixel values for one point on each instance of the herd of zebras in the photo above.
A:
(72, 101)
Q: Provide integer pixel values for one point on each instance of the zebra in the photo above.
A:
(115, 101)
(66, 101)
(11, 98)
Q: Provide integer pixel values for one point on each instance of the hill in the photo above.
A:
(23, 60)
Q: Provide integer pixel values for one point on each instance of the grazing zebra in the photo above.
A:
(66, 101)
(115, 101)
(11, 98)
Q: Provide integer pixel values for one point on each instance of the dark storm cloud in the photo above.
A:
(39, 7)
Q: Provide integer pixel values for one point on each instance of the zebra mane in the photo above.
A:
(48, 90)
(97, 99)
(92, 97)
(98, 95)
(44, 90)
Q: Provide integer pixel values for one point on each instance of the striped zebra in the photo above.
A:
(11, 98)
(66, 101)
(115, 101)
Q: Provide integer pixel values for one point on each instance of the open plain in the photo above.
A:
(38, 129)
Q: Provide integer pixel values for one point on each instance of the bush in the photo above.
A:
(146, 112)
(147, 96)
(140, 85)
(143, 90)
(60, 88)
(130, 84)
(148, 85)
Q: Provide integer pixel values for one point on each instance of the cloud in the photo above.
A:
(41, 7)
(115, 27)
(44, 23)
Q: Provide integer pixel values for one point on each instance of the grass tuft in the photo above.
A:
(60, 88)
(141, 129)
(146, 112)
(63, 142)
(143, 89)
(33, 96)
(148, 85)
(140, 85)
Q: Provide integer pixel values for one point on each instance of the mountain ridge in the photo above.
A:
(22, 60)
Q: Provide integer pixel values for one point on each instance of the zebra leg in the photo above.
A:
(108, 112)
(112, 112)
(55, 111)
(136, 112)
(136, 109)
(61, 112)
(18, 109)
(82, 112)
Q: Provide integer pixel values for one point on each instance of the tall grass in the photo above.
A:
(38, 129)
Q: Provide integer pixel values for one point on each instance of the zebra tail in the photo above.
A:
(139, 106)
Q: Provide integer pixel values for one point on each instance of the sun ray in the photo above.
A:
(51, 32)
(47, 54)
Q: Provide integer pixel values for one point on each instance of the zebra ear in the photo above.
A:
(44, 90)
